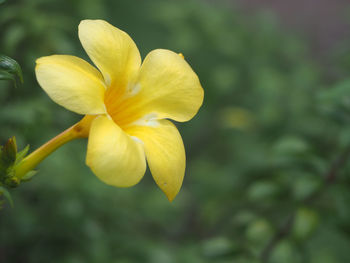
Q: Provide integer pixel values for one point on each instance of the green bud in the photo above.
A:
(9, 151)
(10, 69)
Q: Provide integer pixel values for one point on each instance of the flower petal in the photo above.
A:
(72, 83)
(115, 157)
(165, 154)
(112, 50)
(167, 87)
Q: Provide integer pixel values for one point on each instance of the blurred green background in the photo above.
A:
(267, 176)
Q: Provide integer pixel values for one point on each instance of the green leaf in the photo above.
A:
(2, 1)
(10, 69)
(3, 191)
(4, 75)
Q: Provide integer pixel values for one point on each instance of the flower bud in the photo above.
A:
(9, 151)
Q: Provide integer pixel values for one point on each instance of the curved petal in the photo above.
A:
(167, 87)
(112, 50)
(72, 83)
(165, 154)
(114, 156)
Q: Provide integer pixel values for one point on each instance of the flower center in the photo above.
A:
(122, 104)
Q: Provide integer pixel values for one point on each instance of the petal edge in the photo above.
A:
(112, 51)
(72, 83)
(169, 87)
(165, 154)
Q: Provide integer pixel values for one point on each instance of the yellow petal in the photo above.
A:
(115, 157)
(72, 83)
(112, 50)
(165, 154)
(167, 87)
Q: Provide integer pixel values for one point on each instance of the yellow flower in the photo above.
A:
(131, 102)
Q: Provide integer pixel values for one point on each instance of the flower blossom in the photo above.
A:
(130, 104)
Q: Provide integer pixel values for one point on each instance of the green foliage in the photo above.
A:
(10, 69)
(271, 140)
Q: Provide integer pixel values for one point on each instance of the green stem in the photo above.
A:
(79, 130)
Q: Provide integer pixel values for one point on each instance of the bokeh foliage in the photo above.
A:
(267, 175)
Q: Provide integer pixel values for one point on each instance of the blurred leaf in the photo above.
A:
(285, 252)
(306, 221)
(290, 145)
(305, 185)
(217, 247)
(259, 231)
(4, 192)
(262, 190)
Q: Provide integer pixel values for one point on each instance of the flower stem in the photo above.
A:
(79, 130)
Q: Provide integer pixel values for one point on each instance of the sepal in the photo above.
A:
(9, 159)
(28, 176)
